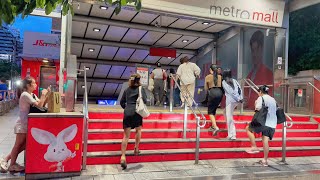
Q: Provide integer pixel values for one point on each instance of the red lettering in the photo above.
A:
(257, 16)
(267, 17)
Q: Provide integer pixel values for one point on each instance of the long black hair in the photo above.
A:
(214, 68)
(227, 76)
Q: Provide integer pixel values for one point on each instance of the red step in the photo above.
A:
(317, 119)
(176, 124)
(95, 158)
(179, 116)
(146, 144)
(177, 133)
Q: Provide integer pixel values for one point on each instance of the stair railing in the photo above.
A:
(85, 117)
(285, 125)
(174, 78)
(314, 87)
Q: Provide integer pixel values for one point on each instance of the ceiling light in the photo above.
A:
(87, 68)
(169, 57)
(45, 60)
(83, 87)
(205, 23)
(103, 7)
(96, 29)
(91, 49)
(185, 40)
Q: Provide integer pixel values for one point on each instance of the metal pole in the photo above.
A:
(85, 112)
(197, 140)
(284, 141)
(185, 117)
(171, 92)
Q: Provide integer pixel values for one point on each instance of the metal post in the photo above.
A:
(171, 92)
(185, 117)
(85, 112)
(284, 141)
(197, 140)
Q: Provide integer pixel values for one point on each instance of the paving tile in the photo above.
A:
(195, 172)
(179, 173)
(226, 163)
(82, 178)
(103, 177)
(211, 172)
(163, 174)
(143, 176)
(234, 170)
(105, 169)
(124, 177)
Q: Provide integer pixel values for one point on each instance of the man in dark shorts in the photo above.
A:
(268, 129)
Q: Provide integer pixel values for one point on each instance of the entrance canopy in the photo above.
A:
(111, 45)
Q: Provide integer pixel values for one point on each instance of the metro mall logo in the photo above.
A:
(256, 16)
(47, 44)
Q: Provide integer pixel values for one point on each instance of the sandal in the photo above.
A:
(123, 163)
(136, 151)
(16, 168)
(263, 163)
(252, 151)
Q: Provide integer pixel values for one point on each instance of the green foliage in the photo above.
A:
(5, 70)
(304, 39)
(9, 9)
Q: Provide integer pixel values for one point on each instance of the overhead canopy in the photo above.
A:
(111, 45)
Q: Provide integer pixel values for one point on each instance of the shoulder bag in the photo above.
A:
(141, 108)
(259, 118)
(281, 117)
(36, 109)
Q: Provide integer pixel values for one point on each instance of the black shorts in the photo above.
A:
(265, 130)
(214, 99)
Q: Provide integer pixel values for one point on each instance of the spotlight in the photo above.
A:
(96, 29)
(185, 40)
(205, 23)
(91, 49)
(45, 60)
(103, 7)
(18, 82)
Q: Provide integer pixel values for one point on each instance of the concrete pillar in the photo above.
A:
(65, 46)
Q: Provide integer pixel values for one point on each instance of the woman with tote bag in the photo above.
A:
(132, 119)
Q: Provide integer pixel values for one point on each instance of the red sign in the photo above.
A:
(163, 52)
(54, 145)
(300, 92)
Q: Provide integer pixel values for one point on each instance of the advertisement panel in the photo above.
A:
(41, 45)
(144, 73)
(259, 12)
(54, 145)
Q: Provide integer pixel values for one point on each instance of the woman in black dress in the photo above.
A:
(131, 119)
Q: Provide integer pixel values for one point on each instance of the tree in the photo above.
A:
(304, 39)
(9, 9)
(5, 70)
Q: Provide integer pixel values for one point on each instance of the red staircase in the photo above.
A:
(162, 139)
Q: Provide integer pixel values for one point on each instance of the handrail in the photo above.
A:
(314, 86)
(185, 97)
(86, 119)
(199, 126)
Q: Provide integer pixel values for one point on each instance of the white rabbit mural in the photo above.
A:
(57, 150)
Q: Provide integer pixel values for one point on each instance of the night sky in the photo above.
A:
(33, 23)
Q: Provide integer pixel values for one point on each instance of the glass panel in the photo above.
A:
(300, 97)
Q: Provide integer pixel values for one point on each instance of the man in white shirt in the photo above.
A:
(268, 129)
(188, 72)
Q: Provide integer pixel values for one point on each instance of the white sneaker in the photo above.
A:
(3, 165)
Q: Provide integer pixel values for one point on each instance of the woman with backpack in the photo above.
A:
(233, 98)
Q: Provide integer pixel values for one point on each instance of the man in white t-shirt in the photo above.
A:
(188, 72)
(268, 129)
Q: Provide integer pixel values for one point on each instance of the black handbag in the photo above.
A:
(259, 118)
(36, 109)
(281, 117)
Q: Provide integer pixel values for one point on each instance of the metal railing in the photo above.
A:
(314, 87)
(7, 101)
(285, 125)
(86, 118)
(185, 95)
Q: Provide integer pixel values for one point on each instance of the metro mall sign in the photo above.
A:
(258, 12)
(41, 45)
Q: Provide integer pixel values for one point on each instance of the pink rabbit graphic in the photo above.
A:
(57, 150)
